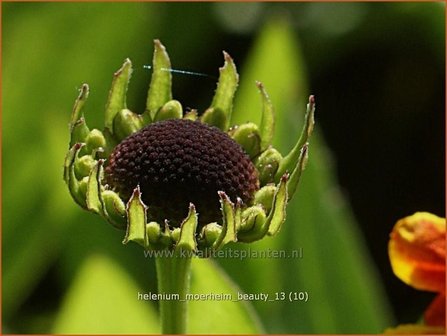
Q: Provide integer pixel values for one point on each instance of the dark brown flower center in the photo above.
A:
(179, 161)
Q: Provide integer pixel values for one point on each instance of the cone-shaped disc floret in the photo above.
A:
(176, 162)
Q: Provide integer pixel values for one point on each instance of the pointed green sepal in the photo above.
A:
(115, 209)
(290, 161)
(160, 91)
(94, 198)
(238, 215)
(296, 173)
(175, 235)
(277, 214)
(76, 113)
(187, 240)
(267, 126)
(247, 135)
(70, 176)
(118, 92)
(226, 87)
(267, 164)
(228, 233)
(171, 110)
(136, 219)
(166, 238)
(83, 183)
(126, 123)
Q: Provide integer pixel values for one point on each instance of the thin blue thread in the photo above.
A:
(181, 72)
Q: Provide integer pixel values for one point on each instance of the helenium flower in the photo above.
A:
(179, 161)
(183, 180)
(417, 254)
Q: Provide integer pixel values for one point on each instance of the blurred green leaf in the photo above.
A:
(218, 317)
(103, 299)
(275, 62)
(336, 271)
(37, 226)
(38, 94)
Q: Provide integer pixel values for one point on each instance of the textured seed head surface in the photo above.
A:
(176, 162)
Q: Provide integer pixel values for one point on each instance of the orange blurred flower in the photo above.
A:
(417, 254)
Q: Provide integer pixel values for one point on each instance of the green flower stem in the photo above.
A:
(173, 273)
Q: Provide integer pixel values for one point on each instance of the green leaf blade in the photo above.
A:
(103, 299)
(319, 221)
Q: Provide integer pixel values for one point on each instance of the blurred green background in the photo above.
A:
(377, 71)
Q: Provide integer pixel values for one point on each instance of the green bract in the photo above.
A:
(90, 150)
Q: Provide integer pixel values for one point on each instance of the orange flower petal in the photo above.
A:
(435, 313)
(417, 251)
(415, 329)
